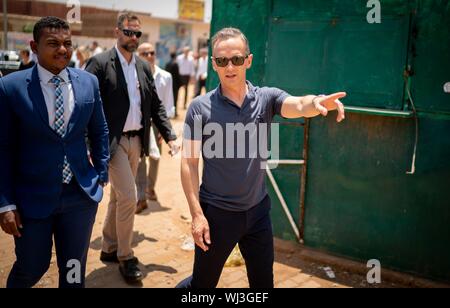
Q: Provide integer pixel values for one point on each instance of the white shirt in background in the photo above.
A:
(163, 84)
(97, 51)
(134, 117)
(186, 65)
(202, 70)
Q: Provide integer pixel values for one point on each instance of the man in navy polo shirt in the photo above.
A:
(232, 205)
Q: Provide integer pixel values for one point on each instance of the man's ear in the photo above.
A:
(249, 61)
(33, 46)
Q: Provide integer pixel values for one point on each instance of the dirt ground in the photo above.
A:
(164, 229)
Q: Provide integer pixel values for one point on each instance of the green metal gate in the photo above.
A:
(349, 192)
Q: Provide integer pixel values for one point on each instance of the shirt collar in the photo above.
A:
(45, 76)
(122, 59)
(250, 94)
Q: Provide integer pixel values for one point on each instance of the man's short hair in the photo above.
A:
(51, 22)
(227, 33)
(126, 16)
(26, 52)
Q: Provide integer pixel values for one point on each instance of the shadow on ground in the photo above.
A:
(110, 277)
(137, 239)
(153, 207)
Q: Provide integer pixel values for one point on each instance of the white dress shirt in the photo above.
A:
(48, 90)
(186, 65)
(134, 117)
(163, 84)
(202, 71)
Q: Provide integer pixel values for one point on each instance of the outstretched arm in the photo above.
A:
(310, 106)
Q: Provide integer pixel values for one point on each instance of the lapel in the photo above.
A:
(77, 94)
(141, 78)
(37, 97)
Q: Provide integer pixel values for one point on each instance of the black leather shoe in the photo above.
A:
(129, 270)
(109, 257)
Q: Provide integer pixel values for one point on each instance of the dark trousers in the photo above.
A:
(201, 83)
(71, 226)
(185, 84)
(175, 90)
(252, 230)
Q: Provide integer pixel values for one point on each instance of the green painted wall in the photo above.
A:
(360, 203)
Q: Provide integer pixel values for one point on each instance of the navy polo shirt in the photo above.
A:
(233, 176)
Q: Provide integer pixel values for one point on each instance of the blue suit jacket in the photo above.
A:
(32, 153)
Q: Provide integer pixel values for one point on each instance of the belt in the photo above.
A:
(131, 133)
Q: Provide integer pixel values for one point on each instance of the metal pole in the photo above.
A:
(5, 25)
(303, 179)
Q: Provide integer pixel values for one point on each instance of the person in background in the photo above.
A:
(83, 55)
(173, 68)
(145, 182)
(96, 49)
(131, 104)
(187, 71)
(26, 61)
(202, 71)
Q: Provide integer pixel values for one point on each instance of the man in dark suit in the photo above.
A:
(48, 187)
(130, 103)
(172, 68)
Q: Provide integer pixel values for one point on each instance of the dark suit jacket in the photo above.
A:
(116, 102)
(32, 153)
(172, 68)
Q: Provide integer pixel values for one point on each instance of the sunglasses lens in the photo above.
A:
(238, 61)
(221, 62)
(130, 33)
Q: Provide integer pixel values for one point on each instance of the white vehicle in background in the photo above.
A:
(9, 62)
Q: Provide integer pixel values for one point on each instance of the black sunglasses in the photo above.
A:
(147, 53)
(130, 33)
(236, 60)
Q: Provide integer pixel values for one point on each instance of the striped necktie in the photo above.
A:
(59, 124)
